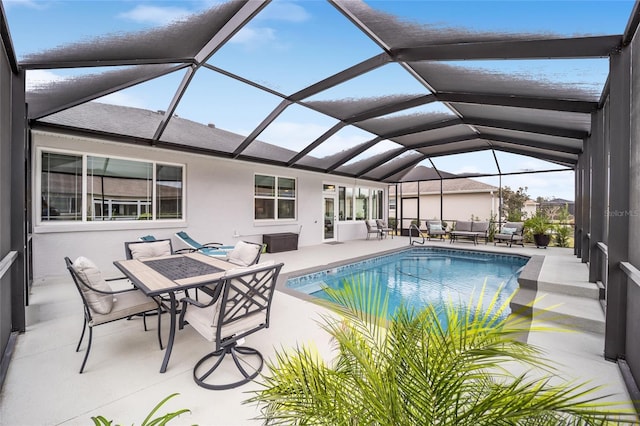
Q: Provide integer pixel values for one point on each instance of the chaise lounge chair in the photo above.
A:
(210, 249)
(511, 232)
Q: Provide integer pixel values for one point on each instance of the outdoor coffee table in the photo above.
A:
(167, 275)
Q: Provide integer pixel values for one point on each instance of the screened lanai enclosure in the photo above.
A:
(381, 94)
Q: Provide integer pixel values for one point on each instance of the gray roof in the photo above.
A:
(478, 109)
(449, 186)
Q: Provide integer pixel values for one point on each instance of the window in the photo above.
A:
(274, 198)
(116, 189)
(345, 203)
(376, 204)
(364, 203)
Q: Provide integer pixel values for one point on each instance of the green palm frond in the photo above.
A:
(444, 365)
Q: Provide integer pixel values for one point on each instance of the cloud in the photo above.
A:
(155, 15)
(284, 11)
(253, 37)
(294, 136)
(39, 78)
(32, 4)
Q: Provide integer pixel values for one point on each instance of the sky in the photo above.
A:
(287, 47)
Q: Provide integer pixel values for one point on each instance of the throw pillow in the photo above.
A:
(435, 227)
(508, 231)
(244, 254)
(146, 250)
(89, 273)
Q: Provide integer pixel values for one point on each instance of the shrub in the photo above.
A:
(418, 369)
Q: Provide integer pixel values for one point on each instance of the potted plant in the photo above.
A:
(540, 229)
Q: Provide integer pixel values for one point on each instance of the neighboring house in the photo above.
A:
(529, 209)
(552, 207)
(462, 199)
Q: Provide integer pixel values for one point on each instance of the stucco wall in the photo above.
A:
(460, 206)
(219, 203)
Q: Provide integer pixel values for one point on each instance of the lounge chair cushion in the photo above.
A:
(90, 274)
(508, 231)
(435, 227)
(147, 250)
(243, 254)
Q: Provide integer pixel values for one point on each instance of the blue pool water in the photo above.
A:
(423, 275)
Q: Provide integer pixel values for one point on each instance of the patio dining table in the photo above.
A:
(167, 275)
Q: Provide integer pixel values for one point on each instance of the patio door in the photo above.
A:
(329, 216)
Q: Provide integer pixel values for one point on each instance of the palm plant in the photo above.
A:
(431, 366)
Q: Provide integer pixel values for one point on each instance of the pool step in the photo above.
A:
(573, 312)
(562, 294)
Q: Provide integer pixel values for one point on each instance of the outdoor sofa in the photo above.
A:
(470, 230)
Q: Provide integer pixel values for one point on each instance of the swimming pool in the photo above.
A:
(422, 275)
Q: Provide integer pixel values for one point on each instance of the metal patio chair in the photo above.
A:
(103, 305)
(240, 306)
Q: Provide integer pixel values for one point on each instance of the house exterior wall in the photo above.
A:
(219, 197)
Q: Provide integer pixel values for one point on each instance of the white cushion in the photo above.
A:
(508, 231)
(89, 273)
(435, 226)
(146, 250)
(244, 254)
(205, 320)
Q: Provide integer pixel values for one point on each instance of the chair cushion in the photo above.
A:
(126, 304)
(205, 320)
(244, 254)
(90, 274)
(153, 249)
(508, 231)
(463, 226)
(435, 226)
(517, 225)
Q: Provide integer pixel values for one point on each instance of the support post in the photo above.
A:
(618, 214)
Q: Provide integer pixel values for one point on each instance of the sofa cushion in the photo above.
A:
(479, 226)
(152, 249)
(89, 273)
(463, 226)
(244, 254)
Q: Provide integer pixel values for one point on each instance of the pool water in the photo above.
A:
(424, 275)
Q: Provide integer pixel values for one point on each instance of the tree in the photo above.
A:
(423, 367)
(513, 202)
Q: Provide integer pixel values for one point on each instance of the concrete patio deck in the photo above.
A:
(122, 380)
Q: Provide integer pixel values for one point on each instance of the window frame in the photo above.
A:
(275, 197)
(350, 202)
(44, 225)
